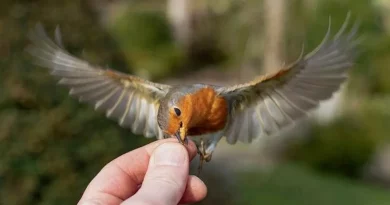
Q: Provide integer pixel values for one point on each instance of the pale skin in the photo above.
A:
(162, 167)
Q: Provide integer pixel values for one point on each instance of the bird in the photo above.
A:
(204, 113)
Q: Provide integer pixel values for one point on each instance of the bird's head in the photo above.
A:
(174, 115)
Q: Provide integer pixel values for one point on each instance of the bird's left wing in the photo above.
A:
(132, 101)
(268, 104)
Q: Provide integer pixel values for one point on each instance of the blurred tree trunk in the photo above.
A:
(179, 14)
(384, 8)
(194, 29)
(310, 4)
(274, 18)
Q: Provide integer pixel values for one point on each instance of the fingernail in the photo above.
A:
(173, 154)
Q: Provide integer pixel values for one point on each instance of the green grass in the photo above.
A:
(292, 184)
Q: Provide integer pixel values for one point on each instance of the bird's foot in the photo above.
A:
(203, 156)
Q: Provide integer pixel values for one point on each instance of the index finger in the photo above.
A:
(121, 178)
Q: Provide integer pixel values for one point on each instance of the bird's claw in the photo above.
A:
(203, 157)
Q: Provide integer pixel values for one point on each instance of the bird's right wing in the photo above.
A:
(270, 103)
(133, 102)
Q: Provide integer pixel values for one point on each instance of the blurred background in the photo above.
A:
(51, 146)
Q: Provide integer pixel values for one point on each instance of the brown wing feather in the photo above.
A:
(130, 100)
(270, 103)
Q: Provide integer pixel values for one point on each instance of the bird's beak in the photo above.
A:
(181, 135)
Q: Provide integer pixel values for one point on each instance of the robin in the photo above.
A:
(200, 112)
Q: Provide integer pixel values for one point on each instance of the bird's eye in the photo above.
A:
(177, 111)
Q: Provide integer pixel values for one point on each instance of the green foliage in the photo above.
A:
(347, 144)
(50, 145)
(146, 40)
(296, 185)
(343, 147)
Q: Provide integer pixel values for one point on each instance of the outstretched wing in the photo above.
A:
(269, 103)
(130, 100)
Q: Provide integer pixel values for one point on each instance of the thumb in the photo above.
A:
(166, 177)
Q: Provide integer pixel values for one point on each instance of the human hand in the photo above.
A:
(162, 167)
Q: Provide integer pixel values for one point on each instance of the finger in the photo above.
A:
(166, 178)
(120, 178)
(195, 191)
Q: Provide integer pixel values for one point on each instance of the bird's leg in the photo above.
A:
(201, 151)
(202, 155)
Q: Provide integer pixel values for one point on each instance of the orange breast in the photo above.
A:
(206, 112)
